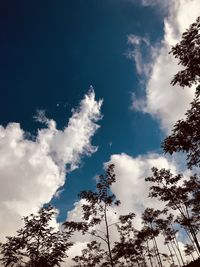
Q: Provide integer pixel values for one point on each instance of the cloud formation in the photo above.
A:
(31, 171)
(162, 101)
(130, 175)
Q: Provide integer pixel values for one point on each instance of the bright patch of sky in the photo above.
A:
(64, 58)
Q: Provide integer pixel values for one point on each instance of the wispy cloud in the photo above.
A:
(138, 45)
(161, 5)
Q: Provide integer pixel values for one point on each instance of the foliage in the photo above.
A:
(95, 209)
(187, 51)
(127, 250)
(182, 198)
(185, 136)
(37, 244)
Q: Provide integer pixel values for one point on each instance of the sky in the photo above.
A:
(84, 83)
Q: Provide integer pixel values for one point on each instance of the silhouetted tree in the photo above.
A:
(169, 233)
(163, 226)
(95, 210)
(149, 218)
(129, 250)
(184, 197)
(37, 244)
(185, 136)
(188, 53)
(145, 235)
(177, 197)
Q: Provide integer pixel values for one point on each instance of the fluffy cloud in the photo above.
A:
(130, 175)
(31, 171)
(164, 102)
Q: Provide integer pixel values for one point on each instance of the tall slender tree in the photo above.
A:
(129, 249)
(149, 218)
(95, 210)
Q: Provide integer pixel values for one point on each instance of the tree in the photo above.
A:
(95, 210)
(169, 233)
(178, 194)
(37, 244)
(188, 53)
(129, 250)
(180, 198)
(149, 218)
(185, 135)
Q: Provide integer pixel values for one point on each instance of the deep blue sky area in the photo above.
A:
(52, 51)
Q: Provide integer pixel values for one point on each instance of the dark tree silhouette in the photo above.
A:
(145, 236)
(185, 136)
(129, 250)
(188, 53)
(179, 194)
(37, 244)
(95, 210)
(149, 218)
(181, 198)
(165, 225)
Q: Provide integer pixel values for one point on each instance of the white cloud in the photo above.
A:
(163, 101)
(31, 171)
(130, 186)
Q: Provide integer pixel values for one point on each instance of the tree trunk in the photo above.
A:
(177, 246)
(108, 237)
(149, 254)
(175, 254)
(171, 255)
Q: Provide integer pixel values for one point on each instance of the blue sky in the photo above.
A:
(52, 53)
